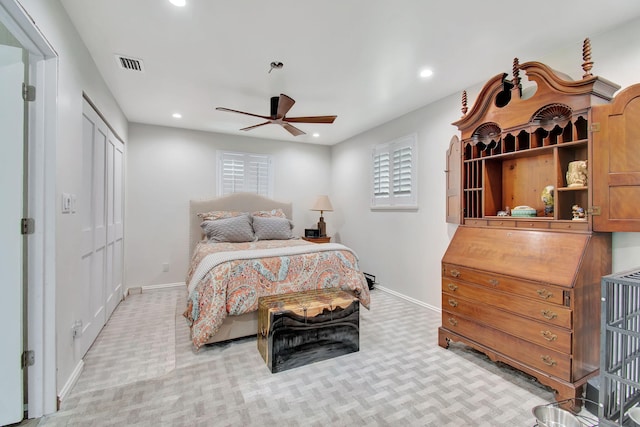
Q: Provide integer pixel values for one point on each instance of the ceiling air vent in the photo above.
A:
(132, 64)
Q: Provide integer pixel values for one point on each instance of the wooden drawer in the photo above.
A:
(475, 222)
(500, 223)
(538, 310)
(570, 225)
(544, 359)
(549, 336)
(535, 290)
(532, 224)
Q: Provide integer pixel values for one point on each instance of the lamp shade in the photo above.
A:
(322, 204)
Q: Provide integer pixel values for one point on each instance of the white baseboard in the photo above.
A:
(404, 297)
(147, 288)
(73, 378)
(162, 286)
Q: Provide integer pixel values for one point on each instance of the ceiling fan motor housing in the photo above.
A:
(274, 106)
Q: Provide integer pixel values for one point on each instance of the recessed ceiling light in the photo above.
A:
(316, 135)
(176, 115)
(426, 73)
(178, 3)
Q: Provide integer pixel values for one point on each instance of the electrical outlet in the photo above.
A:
(165, 267)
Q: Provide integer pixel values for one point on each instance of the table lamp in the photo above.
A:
(322, 204)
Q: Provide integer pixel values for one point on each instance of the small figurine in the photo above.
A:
(505, 212)
(547, 199)
(578, 213)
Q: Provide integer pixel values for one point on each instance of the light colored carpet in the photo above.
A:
(142, 371)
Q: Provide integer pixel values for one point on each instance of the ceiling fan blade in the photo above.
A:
(256, 126)
(293, 130)
(242, 112)
(311, 119)
(284, 105)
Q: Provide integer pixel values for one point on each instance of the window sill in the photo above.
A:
(395, 208)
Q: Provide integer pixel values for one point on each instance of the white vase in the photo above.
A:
(577, 174)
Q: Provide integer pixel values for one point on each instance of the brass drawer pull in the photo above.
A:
(452, 287)
(493, 282)
(548, 314)
(547, 335)
(543, 293)
(547, 360)
(453, 303)
(455, 273)
(453, 322)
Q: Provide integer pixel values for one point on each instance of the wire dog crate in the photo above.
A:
(620, 348)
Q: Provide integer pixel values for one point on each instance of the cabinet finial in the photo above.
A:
(516, 72)
(464, 108)
(586, 57)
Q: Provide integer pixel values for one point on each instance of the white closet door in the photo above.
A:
(11, 208)
(94, 220)
(114, 272)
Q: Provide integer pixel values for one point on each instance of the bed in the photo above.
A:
(225, 279)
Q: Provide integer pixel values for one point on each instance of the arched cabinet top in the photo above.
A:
(501, 102)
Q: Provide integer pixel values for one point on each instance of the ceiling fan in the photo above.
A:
(280, 106)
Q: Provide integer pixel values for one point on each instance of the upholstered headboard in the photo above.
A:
(243, 202)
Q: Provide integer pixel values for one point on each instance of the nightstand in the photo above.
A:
(325, 239)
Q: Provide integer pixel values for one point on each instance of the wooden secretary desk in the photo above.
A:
(525, 290)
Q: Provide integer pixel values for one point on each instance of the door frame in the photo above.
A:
(41, 183)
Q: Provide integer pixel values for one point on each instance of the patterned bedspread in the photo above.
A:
(232, 287)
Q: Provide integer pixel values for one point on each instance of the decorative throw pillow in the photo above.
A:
(214, 215)
(234, 229)
(278, 213)
(272, 228)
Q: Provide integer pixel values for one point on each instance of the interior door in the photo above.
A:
(12, 135)
(94, 235)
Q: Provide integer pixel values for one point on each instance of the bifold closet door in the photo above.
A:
(92, 208)
(101, 206)
(115, 229)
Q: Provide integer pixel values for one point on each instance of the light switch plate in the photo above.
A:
(66, 203)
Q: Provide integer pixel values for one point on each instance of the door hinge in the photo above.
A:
(28, 225)
(28, 358)
(28, 92)
(595, 127)
(594, 211)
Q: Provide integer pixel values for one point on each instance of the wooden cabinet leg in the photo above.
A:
(443, 341)
(570, 398)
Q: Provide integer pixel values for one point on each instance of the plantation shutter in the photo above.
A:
(245, 172)
(394, 174)
(381, 176)
(402, 171)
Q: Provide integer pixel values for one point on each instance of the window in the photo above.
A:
(244, 172)
(394, 174)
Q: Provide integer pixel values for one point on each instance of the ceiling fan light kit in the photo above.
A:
(277, 65)
(280, 106)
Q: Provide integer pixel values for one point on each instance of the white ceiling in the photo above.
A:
(357, 59)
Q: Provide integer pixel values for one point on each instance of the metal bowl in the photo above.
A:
(552, 416)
